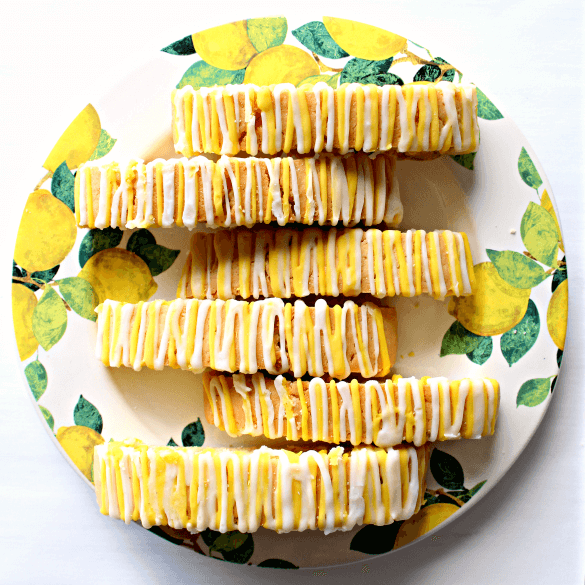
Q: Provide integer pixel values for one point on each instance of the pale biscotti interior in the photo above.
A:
(414, 118)
(380, 412)
(243, 489)
(288, 263)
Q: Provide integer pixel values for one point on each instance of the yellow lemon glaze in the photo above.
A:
(382, 412)
(237, 335)
(229, 489)
(286, 262)
(234, 191)
(314, 118)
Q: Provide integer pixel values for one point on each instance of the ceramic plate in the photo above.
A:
(513, 331)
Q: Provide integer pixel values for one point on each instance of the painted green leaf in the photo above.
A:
(63, 185)
(540, 234)
(160, 532)
(229, 541)
(516, 342)
(448, 75)
(36, 376)
(172, 443)
(193, 434)
(465, 160)
(553, 384)
(528, 171)
(517, 269)
(277, 564)
(427, 73)
(181, 47)
(533, 392)
(201, 74)
(482, 352)
(485, 108)
(158, 258)
(459, 340)
(559, 275)
(243, 553)
(85, 414)
(363, 71)
(315, 37)
(265, 33)
(48, 417)
(446, 470)
(49, 319)
(375, 540)
(471, 492)
(97, 240)
(104, 145)
(559, 357)
(80, 296)
(330, 80)
(209, 536)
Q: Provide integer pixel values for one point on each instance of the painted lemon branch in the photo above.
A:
(48, 176)
(410, 57)
(442, 492)
(324, 68)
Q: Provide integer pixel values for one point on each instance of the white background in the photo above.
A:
(526, 54)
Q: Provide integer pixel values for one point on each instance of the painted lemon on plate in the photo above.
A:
(24, 302)
(119, 275)
(364, 40)
(46, 233)
(423, 522)
(495, 306)
(283, 64)
(556, 315)
(78, 442)
(78, 142)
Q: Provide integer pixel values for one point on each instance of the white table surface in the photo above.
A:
(528, 55)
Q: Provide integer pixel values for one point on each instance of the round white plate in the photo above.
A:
(500, 198)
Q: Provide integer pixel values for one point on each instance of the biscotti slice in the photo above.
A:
(246, 336)
(285, 262)
(324, 189)
(382, 412)
(242, 489)
(413, 118)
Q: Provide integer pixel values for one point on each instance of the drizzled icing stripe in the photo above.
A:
(382, 412)
(233, 191)
(285, 263)
(434, 117)
(241, 336)
(224, 489)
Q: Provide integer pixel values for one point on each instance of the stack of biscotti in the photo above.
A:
(212, 325)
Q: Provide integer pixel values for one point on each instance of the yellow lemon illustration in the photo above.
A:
(556, 315)
(495, 306)
(226, 46)
(78, 443)
(23, 305)
(547, 204)
(46, 233)
(119, 275)
(283, 64)
(364, 40)
(78, 142)
(423, 522)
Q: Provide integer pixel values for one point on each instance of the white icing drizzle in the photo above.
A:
(323, 94)
(262, 488)
(248, 322)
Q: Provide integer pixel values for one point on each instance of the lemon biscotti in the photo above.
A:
(286, 262)
(410, 119)
(236, 191)
(239, 489)
(382, 412)
(239, 336)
